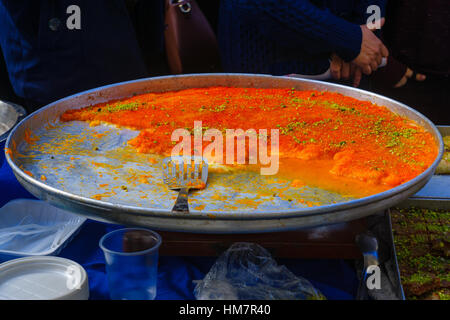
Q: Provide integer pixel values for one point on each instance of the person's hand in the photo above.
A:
(339, 68)
(345, 70)
(409, 73)
(356, 73)
(372, 51)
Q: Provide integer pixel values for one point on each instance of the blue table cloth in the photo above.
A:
(336, 279)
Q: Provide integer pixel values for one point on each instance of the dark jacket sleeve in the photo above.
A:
(285, 21)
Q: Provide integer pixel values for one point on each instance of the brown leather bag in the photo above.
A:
(191, 44)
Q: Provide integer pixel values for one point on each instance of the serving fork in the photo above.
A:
(184, 173)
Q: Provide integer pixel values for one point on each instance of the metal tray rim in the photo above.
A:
(22, 113)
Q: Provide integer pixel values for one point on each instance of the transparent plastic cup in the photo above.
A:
(131, 256)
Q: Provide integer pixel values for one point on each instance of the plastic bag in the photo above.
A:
(246, 271)
(33, 227)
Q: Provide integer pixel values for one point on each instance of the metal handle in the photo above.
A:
(182, 205)
(327, 74)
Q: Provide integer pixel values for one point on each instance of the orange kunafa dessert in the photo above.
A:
(324, 138)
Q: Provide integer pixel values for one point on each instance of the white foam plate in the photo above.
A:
(43, 278)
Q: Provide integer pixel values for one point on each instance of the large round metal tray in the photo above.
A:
(204, 221)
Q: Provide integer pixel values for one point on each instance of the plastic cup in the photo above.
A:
(131, 256)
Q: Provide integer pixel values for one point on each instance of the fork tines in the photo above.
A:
(181, 171)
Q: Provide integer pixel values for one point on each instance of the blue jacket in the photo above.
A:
(290, 36)
(47, 61)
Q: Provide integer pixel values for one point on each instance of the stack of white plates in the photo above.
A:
(43, 278)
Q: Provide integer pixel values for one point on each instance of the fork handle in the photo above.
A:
(182, 205)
